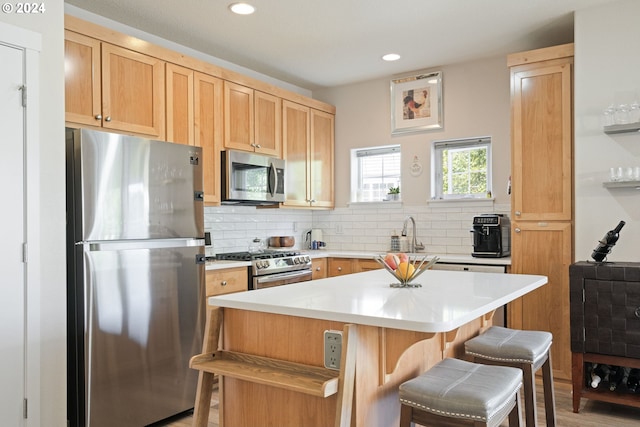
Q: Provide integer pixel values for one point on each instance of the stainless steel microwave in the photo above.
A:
(252, 179)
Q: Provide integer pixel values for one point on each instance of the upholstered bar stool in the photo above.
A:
(527, 350)
(457, 392)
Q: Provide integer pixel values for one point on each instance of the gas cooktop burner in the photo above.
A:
(249, 256)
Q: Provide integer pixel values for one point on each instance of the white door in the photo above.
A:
(12, 218)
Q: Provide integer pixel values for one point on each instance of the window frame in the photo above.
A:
(357, 153)
(437, 178)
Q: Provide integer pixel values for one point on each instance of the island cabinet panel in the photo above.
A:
(542, 191)
(385, 358)
(208, 124)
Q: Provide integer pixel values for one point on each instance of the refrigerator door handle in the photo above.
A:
(142, 244)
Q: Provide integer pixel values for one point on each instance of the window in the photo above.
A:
(374, 171)
(461, 168)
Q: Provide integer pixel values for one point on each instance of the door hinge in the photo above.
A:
(23, 88)
(24, 409)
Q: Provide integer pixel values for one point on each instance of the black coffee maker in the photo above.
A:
(491, 236)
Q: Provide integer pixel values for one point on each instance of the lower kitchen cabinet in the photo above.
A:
(226, 281)
(319, 268)
(342, 266)
(544, 248)
(339, 267)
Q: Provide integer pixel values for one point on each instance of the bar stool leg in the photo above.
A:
(515, 416)
(405, 415)
(528, 380)
(549, 393)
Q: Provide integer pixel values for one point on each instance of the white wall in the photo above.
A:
(607, 67)
(47, 396)
(476, 98)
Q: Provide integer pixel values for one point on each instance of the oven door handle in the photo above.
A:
(282, 276)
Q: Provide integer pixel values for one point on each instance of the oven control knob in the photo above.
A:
(296, 260)
(307, 258)
(265, 264)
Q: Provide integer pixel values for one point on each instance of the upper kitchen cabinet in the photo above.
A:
(208, 120)
(114, 88)
(542, 136)
(180, 105)
(252, 120)
(308, 148)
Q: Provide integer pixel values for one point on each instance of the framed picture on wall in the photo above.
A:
(416, 103)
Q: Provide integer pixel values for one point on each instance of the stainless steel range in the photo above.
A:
(273, 268)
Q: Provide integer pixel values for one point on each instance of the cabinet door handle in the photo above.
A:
(517, 230)
(223, 283)
(99, 117)
(107, 119)
(637, 312)
(339, 268)
(518, 213)
(317, 268)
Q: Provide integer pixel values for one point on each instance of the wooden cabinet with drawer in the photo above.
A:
(339, 266)
(319, 268)
(226, 281)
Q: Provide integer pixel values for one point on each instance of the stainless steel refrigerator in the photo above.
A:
(135, 293)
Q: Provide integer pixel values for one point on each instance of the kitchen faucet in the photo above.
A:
(415, 246)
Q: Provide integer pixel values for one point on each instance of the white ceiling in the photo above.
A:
(326, 43)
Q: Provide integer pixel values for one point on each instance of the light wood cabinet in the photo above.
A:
(342, 266)
(308, 148)
(82, 79)
(208, 125)
(127, 94)
(365, 264)
(339, 267)
(180, 104)
(546, 249)
(542, 192)
(226, 281)
(268, 123)
(252, 120)
(542, 140)
(319, 268)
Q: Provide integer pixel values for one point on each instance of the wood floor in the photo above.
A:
(592, 413)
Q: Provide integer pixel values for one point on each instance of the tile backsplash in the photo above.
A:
(443, 227)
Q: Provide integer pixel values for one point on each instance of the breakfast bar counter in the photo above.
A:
(401, 332)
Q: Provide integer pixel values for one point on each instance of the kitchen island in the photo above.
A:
(401, 332)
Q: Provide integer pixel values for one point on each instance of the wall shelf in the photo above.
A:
(622, 184)
(626, 128)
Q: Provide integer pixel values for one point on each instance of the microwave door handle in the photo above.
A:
(273, 180)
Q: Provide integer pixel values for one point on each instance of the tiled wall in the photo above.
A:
(443, 227)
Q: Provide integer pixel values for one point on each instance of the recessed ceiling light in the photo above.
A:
(391, 57)
(242, 8)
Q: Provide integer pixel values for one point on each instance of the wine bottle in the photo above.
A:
(622, 377)
(615, 375)
(608, 241)
(634, 379)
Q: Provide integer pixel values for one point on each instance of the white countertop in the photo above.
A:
(444, 259)
(446, 300)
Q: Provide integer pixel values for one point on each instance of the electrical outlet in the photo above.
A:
(339, 229)
(332, 349)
